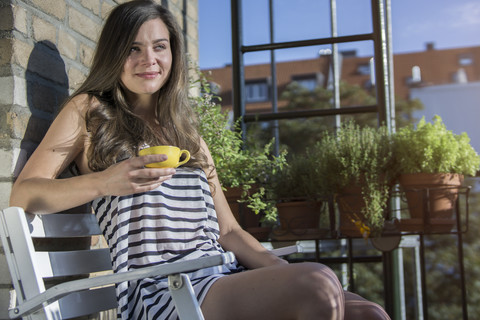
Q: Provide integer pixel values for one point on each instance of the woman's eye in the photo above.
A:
(160, 47)
(134, 49)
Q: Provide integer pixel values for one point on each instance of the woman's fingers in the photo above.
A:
(151, 174)
(142, 161)
(131, 176)
(151, 178)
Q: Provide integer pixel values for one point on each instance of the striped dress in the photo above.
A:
(176, 221)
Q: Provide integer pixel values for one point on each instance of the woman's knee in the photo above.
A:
(319, 276)
(375, 312)
(364, 309)
(320, 290)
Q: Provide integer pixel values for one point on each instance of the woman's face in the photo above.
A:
(148, 65)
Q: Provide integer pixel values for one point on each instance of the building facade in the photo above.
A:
(411, 70)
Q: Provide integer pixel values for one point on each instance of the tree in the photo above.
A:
(296, 135)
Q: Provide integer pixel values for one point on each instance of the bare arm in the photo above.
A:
(37, 188)
(249, 252)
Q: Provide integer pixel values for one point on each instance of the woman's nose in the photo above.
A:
(149, 57)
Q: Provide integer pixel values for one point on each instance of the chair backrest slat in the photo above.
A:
(63, 225)
(70, 263)
(83, 303)
(16, 234)
(31, 267)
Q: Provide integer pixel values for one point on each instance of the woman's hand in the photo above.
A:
(131, 176)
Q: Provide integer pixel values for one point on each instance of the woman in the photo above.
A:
(136, 95)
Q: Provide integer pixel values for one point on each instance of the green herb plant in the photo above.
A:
(432, 148)
(357, 155)
(295, 181)
(249, 169)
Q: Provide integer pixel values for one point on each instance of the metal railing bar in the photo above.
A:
(251, 117)
(305, 43)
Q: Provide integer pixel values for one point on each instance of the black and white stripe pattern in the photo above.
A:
(176, 221)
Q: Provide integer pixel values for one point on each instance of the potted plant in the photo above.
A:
(432, 162)
(354, 166)
(295, 191)
(242, 172)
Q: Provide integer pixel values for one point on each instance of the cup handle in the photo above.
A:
(187, 157)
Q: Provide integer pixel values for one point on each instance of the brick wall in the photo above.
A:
(45, 51)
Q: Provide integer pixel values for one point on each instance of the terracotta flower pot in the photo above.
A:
(350, 205)
(298, 220)
(431, 199)
(233, 195)
(247, 219)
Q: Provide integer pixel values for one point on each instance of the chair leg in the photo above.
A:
(184, 298)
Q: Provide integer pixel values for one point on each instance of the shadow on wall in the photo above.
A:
(47, 89)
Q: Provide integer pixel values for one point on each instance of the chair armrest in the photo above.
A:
(56, 292)
(285, 251)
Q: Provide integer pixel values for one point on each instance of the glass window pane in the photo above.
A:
(256, 91)
(301, 20)
(256, 28)
(354, 17)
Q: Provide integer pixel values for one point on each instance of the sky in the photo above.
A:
(446, 23)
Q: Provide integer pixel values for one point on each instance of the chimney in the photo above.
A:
(416, 74)
(460, 76)
(430, 46)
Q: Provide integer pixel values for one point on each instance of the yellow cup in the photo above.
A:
(174, 155)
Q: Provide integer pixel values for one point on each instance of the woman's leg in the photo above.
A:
(357, 307)
(294, 291)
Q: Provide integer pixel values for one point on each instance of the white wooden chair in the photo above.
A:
(29, 268)
(73, 298)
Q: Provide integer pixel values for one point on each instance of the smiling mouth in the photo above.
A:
(148, 75)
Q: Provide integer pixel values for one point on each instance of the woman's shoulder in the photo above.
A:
(82, 103)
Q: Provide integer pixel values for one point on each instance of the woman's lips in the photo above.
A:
(148, 75)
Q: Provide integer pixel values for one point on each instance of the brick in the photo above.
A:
(47, 98)
(43, 30)
(67, 45)
(47, 63)
(6, 23)
(20, 157)
(6, 169)
(6, 89)
(5, 134)
(192, 31)
(106, 8)
(16, 124)
(21, 53)
(192, 10)
(6, 49)
(19, 91)
(86, 54)
(76, 77)
(178, 16)
(176, 3)
(193, 51)
(92, 5)
(5, 189)
(83, 24)
(20, 19)
(34, 131)
(54, 7)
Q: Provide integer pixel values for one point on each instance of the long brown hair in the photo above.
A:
(115, 132)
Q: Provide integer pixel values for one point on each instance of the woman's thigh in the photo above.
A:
(293, 291)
